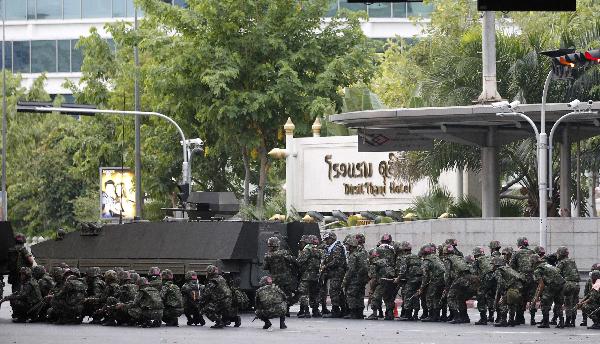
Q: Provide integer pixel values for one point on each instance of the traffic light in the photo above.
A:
(565, 60)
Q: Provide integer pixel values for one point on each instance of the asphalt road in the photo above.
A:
(299, 331)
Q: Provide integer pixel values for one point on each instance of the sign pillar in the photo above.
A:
(290, 182)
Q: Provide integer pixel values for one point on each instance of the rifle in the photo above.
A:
(538, 292)
(410, 298)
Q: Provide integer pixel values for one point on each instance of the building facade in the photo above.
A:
(41, 35)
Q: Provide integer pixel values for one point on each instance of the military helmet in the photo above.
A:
(25, 271)
(135, 277)
(594, 275)
(386, 237)
(352, 242)
(551, 259)
(347, 237)
(124, 276)
(329, 235)
(426, 250)
(405, 246)
(522, 242)
(507, 250)
(478, 251)
(167, 274)
(60, 234)
(110, 276)
(93, 271)
(56, 272)
(76, 272)
(562, 252)
(154, 271)
(142, 281)
(374, 253)
(595, 267)
(535, 259)
(448, 249)
(361, 238)
(212, 270)
(273, 242)
(495, 245)
(38, 271)
(498, 261)
(451, 241)
(314, 239)
(469, 259)
(539, 250)
(304, 239)
(20, 238)
(266, 280)
(64, 265)
(67, 272)
(191, 275)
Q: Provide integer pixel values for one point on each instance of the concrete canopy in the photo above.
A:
(467, 124)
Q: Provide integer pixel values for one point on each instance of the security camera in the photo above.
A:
(514, 105)
(574, 104)
(195, 142)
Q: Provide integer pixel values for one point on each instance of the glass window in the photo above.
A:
(76, 57)
(8, 56)
(380, 10)
(97, 9)
(16, 10)
(43, 56)
(49, 9)
(181, 3)
(64, 56)
(130, 8)
(419, 9)
(72, 9)
(21, 57)
(332, 9)
(399, 10)
(353, 6)
(30, 9)
(119, 8)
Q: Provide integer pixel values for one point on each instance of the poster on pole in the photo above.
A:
(117, 193)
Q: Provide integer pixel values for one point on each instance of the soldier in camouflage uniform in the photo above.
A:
(191, 292)
(333, 269)
(454, 243)
(540, 251)
(461, 285)
(172, 299)
(410, 274)
(66, 307)
(432, 283)
(18, 257)
(26, 302)
(508, 296)
(46, 284)
(216, 301)
(586, 291)
(95, 289)
(385, 291)
(507, 254)
(270, 303)
(568, 270)
(521, 262)
(281, 266)
(146, 309)
(309, 263)
(495, 248)
(591, 302)
(154, 278)
(486, 292)
(355, 279)
(127, 293)
(549, 289)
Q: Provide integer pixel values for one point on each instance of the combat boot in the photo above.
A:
(201, 321)
(408, 315)
(561, 322)
(595, 326)
(532, 321)
(584, 320)
(465, 316)
(373, 316)
(219, 324)
(445, 316)
(553, 321)
(316, 313)
(511, 319)
(357, 314)
(335, 313)
(425, 314)
(482, 319)
(402, 313)
(302, 311)
(572, 322)
(282, 323)
(267, 323)
(380, 313)
(545, 320)
(237, 321)
(324, 311)
(434, 316)
(389, 314)
(501, 320)
(490, 316)
(416, 315)
(456, 318)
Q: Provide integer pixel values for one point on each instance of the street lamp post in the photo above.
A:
(4, 121)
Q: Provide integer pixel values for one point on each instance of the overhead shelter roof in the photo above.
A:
(414, 128)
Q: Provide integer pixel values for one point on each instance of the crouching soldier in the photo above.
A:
(26, 302)
(147, 308)
(172, 299)
(591, 303)
(216, 301)
(191, 292)
(270, 303)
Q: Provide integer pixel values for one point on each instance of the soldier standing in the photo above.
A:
(191, 292)
(355, 279)
(281, 265)
(549, 290)
(334, 268)
(507, 298)
(454, 243)
(172, 299)
(270, 302)
(18, 257)
(495, 248)
(309, 262)
(568, 270)
(521, 262)
(461, 286)
(483, 269)
(216, 301)
(410, 274)
(432, 283)
(25, 303)
(385, 291)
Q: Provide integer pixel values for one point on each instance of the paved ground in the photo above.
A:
(299, 331)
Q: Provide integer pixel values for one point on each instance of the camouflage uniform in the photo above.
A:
(591, 303)
(461, 285)
(568, 270)
(355, 279)
(521, 262)
(270, 302)
(552, 284)
(586, 291)
(508, 296)
(18, 257)
(95, 289)
(384, 273)
(483, 269)
(410, 274)
(495, 248)
(216, 301)
(309, 262)
(432, 283)
(127, 294)
(172, 299)
(333, 269)
(67, 304)
(191, 292)
(147, 308)
(281, 265)
(26, 302)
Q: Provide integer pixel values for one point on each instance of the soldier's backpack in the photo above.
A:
(240, 299)
(152, 301)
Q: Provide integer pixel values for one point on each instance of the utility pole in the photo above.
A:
(4, 121)
(139, 195)
(488, 52)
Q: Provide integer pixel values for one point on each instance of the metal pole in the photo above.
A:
(543, 166)
(186, 176)
(4, 121)
(578, 192)
(488, 55)
(139, 198)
